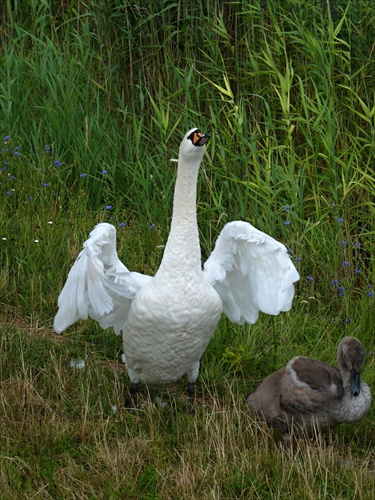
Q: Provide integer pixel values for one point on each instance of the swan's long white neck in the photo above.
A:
(182, 250)
(185, 197)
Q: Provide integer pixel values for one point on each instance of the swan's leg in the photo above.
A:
(192, 376)
(191, 389)
(134, 388)
(191, 393)
(133, 391)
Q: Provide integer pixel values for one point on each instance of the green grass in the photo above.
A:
(107, 90)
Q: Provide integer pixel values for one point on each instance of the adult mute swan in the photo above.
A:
(308, 396)
(168, 320)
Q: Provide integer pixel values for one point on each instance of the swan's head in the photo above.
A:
(193, 145)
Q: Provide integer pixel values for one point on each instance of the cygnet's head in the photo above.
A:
(351, 357)
(193, 145)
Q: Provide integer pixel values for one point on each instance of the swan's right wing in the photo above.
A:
(251, 272)
(98, 285)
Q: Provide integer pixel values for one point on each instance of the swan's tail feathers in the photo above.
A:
(98, 285)
(251, 272)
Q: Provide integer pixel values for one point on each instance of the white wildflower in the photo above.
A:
(77, 363)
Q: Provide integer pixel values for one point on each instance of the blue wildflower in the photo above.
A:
(357, 271)
(345, 263)
(340, 219)
(7, 138)
(47, 148)
(310, 278)
(45, 184)
(104, 172)
(108, 207)
(83, 175)
(334, 282)
(348, 320)
(298, 259)
(287, 223)
(57, 163)
(9, 193)
(152, 226)
(122, 224)
(340, 288)
(370, 294)
(287, 207)
(357, 244)
(344, 243)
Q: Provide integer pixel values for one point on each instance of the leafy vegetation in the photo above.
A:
(94, 100)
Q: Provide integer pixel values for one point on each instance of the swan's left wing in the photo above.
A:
(251, 272)
(99, 285)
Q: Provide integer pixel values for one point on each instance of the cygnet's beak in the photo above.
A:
(355, 382)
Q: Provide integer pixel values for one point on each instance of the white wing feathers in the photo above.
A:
(251, 272)
(98, 285)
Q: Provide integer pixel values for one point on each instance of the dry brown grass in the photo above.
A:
(60, 438)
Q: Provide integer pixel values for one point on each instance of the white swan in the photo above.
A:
(167, 320)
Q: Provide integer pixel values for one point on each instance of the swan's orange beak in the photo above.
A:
(199, 139)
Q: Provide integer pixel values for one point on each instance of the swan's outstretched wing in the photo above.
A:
(98, 284)
(251, 272)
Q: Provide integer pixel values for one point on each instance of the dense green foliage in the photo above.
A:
(94, 99)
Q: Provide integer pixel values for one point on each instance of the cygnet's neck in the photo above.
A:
(345, 376)
(182, 250)
(343, 367)
(352, 408)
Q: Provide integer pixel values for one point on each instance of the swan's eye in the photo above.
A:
(197, 138)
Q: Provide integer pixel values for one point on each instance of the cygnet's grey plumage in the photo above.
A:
(310, 396)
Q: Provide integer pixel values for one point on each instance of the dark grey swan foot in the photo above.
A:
(134, 388)
(133, 391)
(191, 393)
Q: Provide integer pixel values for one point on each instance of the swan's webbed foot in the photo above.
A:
(191, 394)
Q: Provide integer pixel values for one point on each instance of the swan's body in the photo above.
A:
(168, 320)
(309, 396)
